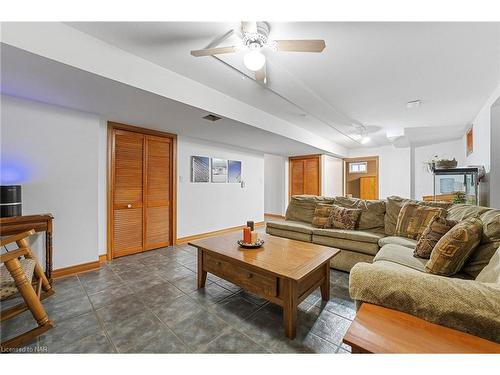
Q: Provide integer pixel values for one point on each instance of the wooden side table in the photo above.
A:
(378, 329)
(40, 223)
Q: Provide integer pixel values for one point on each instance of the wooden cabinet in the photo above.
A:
(140, 190)
(368, 188)
(305, 175)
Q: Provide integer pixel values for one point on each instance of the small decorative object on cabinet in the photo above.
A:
(10, 202)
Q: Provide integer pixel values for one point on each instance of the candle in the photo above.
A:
(250, 224)
(254, 237)
(247, 237)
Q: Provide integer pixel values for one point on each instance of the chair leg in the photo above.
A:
(26, 290)
(22, 307)
(26, 337)
(38, 269)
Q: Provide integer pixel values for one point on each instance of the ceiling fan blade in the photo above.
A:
(249, 27)
(260, 75)
(311, 45)
(213, 51)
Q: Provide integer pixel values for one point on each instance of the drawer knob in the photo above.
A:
(129, 205)
(219, 264)
(250, 275)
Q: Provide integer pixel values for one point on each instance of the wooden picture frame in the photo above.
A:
(469, 137)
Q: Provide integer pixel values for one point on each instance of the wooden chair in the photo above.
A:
(21, 273)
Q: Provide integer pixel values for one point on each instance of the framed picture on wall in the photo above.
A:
(200, 169)
(234, 171)
(469, 136)
(219, 170)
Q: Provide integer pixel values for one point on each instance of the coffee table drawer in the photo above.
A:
(250, 280)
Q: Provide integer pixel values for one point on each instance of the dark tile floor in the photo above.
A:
(148, 303)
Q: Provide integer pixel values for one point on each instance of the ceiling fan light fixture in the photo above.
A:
(254, 60)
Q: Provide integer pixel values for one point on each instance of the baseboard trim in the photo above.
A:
(184, 240)
(73, 270)
(103, 258)
(274, 215)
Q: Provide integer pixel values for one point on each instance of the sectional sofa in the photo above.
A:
(383, 270)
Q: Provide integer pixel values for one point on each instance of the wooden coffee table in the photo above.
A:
(282, 271)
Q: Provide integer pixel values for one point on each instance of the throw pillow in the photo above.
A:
(414, 218)
(372, 211)
(344, 218)
(453, 249)
(321, 215)
(491, 273)
(301, 207)
(436, 229)
(394, 205)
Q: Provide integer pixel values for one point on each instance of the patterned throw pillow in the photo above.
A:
(453, 249)
(436, 229)
(414, 218)
(321, 215)
(343, 218)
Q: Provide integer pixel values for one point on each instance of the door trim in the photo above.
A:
(320, 171)
(360, 158)
(109, 180)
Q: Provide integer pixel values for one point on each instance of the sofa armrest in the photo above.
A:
(465, 305)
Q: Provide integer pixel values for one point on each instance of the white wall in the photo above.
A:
(275, 196)
(483, 143)
(332, 176)
(495, 156)
(394, 169)
(205, 207)
(56, 152)
(423, 180)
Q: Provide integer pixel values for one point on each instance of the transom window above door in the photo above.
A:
(358, 167)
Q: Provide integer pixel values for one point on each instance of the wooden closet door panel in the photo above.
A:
(157, 192)
(311, 176)
(368, 187)
(297, 177)
(127, 193)
(127, 232)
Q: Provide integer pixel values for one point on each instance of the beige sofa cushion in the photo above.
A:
(301, 207)
(306, 237)
(466, 305)
(346, 259)
(394, 205)
(453, 249)
(347, 234)
(459, 212)
(395, 240)
(480, 258)
(491, 273)
(293, 226)
(372, 211)
(491, 226)
(344, 244)
(401, 255)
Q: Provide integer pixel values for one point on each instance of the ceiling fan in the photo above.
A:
(255, 37)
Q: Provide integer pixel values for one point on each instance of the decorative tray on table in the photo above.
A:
(255, 245)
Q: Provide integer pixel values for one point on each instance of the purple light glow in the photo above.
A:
(13, 172)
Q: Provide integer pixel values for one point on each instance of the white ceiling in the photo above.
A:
(29, 76)
(366, 74)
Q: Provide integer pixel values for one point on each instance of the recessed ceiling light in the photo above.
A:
(414, 104)
(365, 140)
